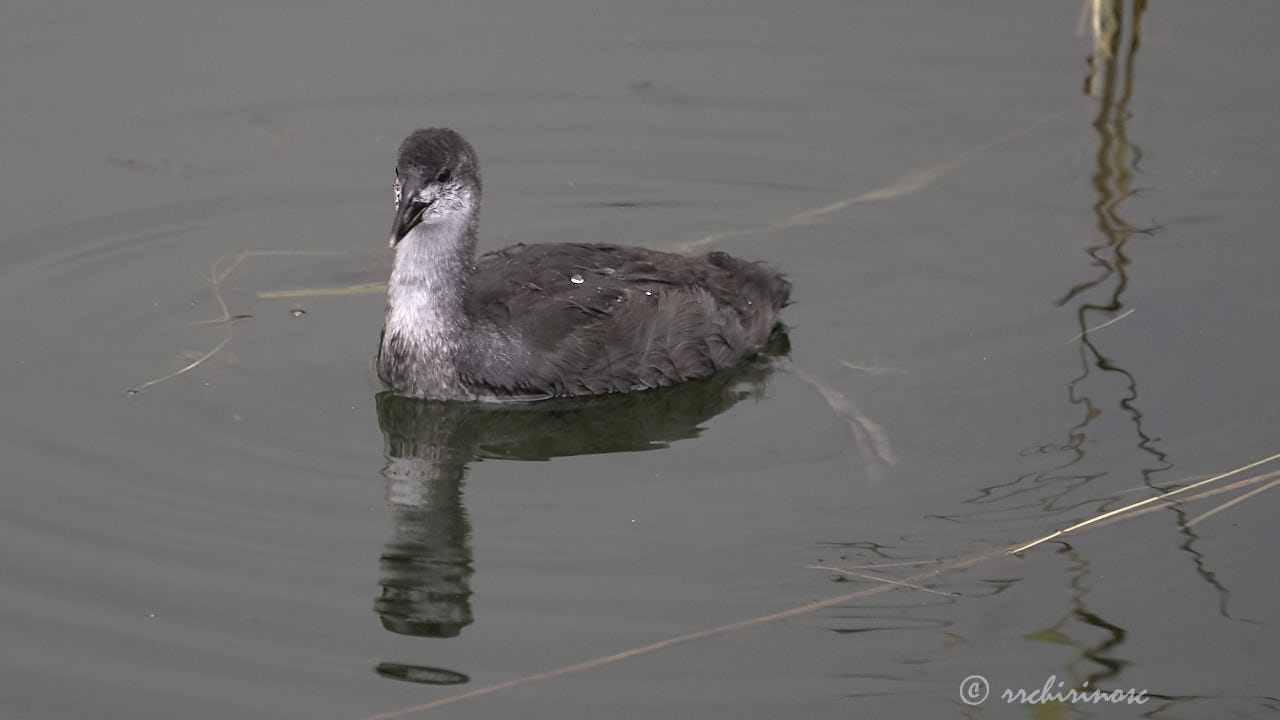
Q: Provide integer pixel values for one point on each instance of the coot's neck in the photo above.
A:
(427, 326)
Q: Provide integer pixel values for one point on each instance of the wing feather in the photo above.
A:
(575, 319)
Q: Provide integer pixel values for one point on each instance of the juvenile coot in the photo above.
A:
(549, 320)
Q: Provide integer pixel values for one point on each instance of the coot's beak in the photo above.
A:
(410, 211)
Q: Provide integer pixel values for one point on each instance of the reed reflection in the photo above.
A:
(427, 565)
(1103, 384)
(1065, 480)
(1099, 301)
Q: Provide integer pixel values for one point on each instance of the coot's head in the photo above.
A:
(437, 181)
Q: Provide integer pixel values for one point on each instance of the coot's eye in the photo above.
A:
(444, 176)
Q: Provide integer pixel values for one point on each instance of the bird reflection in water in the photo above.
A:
(426, 567)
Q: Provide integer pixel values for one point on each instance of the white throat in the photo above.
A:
(424, 294)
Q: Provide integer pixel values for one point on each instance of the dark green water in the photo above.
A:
(264, 536)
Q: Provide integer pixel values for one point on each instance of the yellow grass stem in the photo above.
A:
(1140, 503)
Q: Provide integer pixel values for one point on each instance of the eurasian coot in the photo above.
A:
(549, 320)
